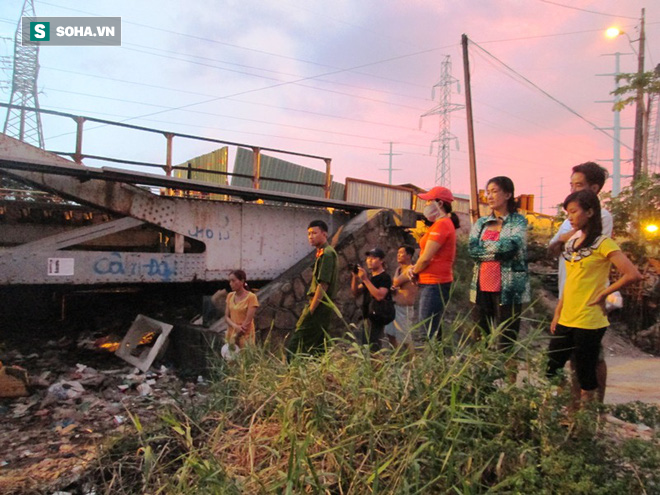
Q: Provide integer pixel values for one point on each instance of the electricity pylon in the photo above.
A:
(443, 109)
(20, 123)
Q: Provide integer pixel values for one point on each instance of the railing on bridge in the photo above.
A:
(168, 167)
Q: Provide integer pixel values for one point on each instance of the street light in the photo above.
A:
(613, 32)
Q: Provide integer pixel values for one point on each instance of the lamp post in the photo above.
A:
(639, 141)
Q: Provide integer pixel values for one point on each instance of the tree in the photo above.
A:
(649, 84)
(634, 210)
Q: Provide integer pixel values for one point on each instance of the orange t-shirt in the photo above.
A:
(440, 270)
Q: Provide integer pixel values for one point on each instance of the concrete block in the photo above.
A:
(144, 340)
(405, 218)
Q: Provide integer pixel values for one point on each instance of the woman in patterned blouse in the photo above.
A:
(498, 246)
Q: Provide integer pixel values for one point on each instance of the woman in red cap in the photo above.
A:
(434, 268)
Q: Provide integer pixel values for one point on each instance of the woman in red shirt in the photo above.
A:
(434, 268)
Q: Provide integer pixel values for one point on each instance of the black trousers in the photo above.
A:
(492, 314)
(372, 335)
(585, 344)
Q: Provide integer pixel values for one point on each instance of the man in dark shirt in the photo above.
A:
(310, 335)
(377, 287)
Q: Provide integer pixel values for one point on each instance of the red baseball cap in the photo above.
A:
(438, 192)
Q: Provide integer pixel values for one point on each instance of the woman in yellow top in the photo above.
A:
(241, 307)
(580, 321)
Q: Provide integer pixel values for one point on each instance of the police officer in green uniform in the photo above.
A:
(312, 330)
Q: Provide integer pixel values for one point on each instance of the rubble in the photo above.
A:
(143, 342)
(13, 381)
(77, 397)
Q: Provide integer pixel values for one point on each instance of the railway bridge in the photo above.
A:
(112, 227)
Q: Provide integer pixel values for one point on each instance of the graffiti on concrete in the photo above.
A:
(217, 232)
(117, 264)
(202, 234)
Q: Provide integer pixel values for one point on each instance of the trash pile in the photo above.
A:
(55, 415)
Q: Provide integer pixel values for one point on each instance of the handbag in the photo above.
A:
(381, 312)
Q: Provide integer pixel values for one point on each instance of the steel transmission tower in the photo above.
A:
(444, 109)
(20, 123)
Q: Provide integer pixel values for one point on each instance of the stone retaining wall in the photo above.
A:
(282, 301)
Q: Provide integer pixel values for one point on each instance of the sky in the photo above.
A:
(344, 79)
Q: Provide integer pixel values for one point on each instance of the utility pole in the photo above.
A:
(444, 137)
(541, 195)
(390, 169)
(639, 109)
(474, 190)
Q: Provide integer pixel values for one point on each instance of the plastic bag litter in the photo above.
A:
(613, 301)
(229, 352)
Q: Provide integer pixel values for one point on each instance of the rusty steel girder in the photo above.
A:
(262, 239)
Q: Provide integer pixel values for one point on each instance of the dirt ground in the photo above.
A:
(631, 373)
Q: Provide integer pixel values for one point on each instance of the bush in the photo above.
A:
(349, 422)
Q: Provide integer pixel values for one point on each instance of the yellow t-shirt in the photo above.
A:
(237, 312)
(587, 272)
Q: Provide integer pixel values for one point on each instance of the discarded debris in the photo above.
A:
(13, 381)
(143, 342)
(50, 438)
(144, 389)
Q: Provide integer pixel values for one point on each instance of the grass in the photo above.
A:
(351, 422)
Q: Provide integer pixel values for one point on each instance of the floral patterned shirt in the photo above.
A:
(510, 250)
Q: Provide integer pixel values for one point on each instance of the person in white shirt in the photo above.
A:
(590, 176)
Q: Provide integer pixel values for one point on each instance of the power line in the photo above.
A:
(166, 88)
(213, 114)
(545, 93)
(240, 93)
(263, 52)
(278, 83)
(253, 68)
(585, 10)
(539, 36)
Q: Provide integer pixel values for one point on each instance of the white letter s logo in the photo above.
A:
(39, 31)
